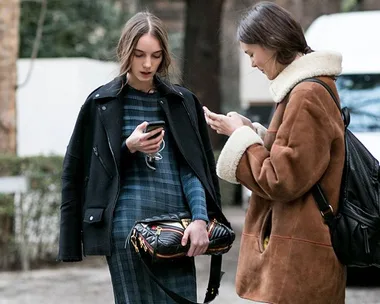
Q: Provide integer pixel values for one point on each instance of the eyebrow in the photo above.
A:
(152, 53)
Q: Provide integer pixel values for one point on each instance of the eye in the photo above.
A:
(157, 56)
(139, 55)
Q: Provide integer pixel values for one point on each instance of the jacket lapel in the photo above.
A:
(185, 136)
(111, 116)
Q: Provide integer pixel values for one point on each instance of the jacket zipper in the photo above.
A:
(118, 183)
(365, 234)
(102, 162)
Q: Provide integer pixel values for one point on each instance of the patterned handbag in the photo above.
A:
(160, 236)
(159, 239)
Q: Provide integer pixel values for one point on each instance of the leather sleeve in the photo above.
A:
(70, 248)
(203, 129)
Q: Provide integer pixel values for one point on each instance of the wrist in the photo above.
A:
(202, 221)
(129, 146)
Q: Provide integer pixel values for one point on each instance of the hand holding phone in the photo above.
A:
(137, 141)
(153, 125)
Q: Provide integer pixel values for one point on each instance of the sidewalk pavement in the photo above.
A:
(89, 281)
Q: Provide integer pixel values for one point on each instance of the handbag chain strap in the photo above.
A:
(213, 283)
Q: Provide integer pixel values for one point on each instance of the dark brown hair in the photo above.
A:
(140, 24)
(271, 26)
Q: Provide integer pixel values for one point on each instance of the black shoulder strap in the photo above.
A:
(319, 197)
(326, 87)
(213, 283)
(344, 112)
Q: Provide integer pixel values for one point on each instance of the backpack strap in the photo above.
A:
(344, 112)
(325, 208)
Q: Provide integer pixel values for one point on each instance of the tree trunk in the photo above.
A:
(9, 24)
(202, 53)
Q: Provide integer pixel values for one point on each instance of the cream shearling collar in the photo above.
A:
(314, 64)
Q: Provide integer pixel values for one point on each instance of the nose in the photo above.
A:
(147, 63)
(253, 64)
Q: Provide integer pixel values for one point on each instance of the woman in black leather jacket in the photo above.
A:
(114, 173)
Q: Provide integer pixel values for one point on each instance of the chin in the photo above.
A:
(143, 79)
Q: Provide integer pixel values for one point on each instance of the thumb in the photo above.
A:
(142, 126)
(185, 238)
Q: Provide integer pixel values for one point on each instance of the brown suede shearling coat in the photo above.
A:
(304, 144)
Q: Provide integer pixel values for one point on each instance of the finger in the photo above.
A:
(153, 133)
(200, 249)
(191, 251)
(185, 238)
(214, 116)
(207, 119)
(156, 140)
(150, 151)
(231, 113)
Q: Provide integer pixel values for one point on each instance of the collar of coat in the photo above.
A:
(310, 65)
(118, 84)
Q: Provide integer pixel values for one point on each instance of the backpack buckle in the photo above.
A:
(328, 211)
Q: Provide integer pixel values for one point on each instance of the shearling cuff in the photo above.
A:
(233, 150)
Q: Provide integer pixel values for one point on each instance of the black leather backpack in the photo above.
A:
(355, 227)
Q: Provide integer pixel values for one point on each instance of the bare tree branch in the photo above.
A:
(37, 40)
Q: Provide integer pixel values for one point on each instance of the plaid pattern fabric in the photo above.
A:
(195, 193)
(145, 193)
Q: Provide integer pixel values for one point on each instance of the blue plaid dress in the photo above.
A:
(144, 193)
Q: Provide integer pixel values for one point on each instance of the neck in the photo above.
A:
(281, 67)
(144, 86)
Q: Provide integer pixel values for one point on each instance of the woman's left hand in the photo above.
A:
(223, 124)
(198, 235)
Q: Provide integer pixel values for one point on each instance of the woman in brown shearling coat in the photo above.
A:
(286, 255)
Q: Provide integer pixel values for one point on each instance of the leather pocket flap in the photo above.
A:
(93, 215)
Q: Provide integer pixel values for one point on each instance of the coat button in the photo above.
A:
(161, 102)
(97, 95)
(91, 218)
(104, 107)
(181, 93)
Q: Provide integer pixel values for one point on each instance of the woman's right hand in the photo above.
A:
(246, 121)
(139, 141)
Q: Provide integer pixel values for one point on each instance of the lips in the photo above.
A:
(146, 73)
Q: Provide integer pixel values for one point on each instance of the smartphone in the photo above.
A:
(154, 125)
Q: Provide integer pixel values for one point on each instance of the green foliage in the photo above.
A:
(72, 28)
(43, 173)
(348, 5)
(29, 225)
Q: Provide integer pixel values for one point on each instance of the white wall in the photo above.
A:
(254, 85)
(48, 105)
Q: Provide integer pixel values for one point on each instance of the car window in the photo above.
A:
(361, 94)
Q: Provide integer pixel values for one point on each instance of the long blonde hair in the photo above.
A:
(140, 24)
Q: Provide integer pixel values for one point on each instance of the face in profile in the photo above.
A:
(262, 58)
(147, 57)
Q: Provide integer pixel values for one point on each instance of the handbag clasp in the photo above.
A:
(185, 222)
(134, 240)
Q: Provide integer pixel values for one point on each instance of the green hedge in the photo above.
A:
(29, 237)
